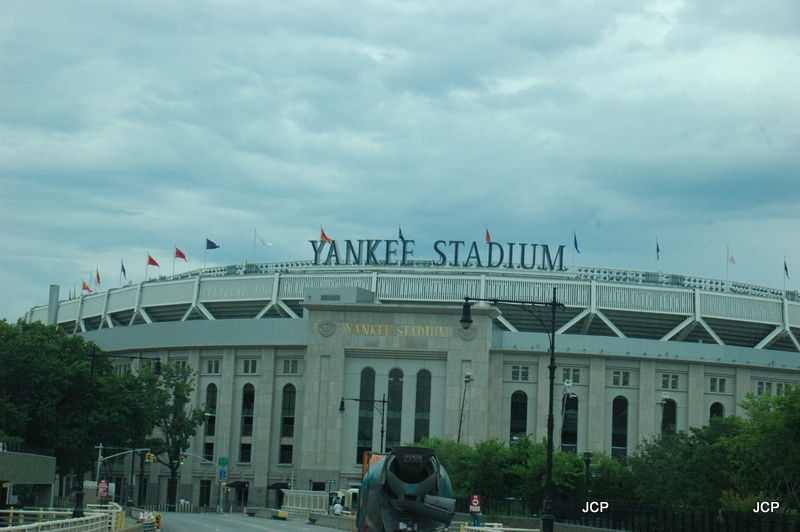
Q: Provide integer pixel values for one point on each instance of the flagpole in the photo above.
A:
(727, 260)
(255, 234)
(574, 239)
(147, 266)
(205, 253)
(657, 250)
(174, 253)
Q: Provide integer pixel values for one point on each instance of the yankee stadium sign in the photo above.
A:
(457, 253)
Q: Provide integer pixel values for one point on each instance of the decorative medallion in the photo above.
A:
(468, 335)
(327, 328)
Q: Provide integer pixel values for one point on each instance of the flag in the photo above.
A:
(400, 234)
(488, 236)
(124, 273)
(151, 261)
(732, 260)
(324, 237)
(785, 268)
(658, 250)
(264, 242)
(97, 276)
(180, 254)
(575, 241)
(86, 287)
(210, 244)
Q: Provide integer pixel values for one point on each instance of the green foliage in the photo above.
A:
(44, 376)
(612, 479)
(689, 468)
(456, 459)
(175, 419)
(766, 452)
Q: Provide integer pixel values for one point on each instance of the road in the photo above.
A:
(212, 522)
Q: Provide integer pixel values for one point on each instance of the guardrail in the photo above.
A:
(100, 518)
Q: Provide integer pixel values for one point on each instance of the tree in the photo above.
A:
(487, 470)
(766, 452)
(175, 420)
(690, 468)
(44, 376)
(611, 478)
(456, 458)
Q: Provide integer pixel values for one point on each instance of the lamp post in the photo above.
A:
(466, 321)
(381, 411)
(587, 458)
(467, 379)
(83, 458)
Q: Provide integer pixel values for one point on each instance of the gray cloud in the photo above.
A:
(133, 127)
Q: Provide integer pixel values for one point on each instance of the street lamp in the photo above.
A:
(467, 379)
(466, 321)
(83, 458)
(382, 410)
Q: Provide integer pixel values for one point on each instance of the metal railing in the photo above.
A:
(42, 520)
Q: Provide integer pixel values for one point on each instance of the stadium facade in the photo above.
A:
(277, 346)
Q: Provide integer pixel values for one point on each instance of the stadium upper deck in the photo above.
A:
(599, 301)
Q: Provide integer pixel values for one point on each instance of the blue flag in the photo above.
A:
(210, 244)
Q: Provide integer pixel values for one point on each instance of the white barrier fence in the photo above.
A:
(106, 518)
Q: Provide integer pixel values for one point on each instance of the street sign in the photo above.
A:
(223, 474)
(102, 488)
(475, 503)
(223, 461)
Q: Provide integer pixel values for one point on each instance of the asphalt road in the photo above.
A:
(212, 522)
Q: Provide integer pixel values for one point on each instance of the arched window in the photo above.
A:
(569, 426)
(717, 410)
(669, 416)
(619, 426)
(422, 410)
(248, 410)
(366, 410)
(211, 409)
(287, 424)
(287, 411)
(394, 408)
(519, 415)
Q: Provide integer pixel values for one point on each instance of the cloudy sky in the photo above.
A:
(130, 127)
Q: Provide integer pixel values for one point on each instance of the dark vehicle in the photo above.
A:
(405, 489)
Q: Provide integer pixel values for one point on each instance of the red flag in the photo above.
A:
(86, 287)
(179, 254)
(488, 237)
(151, 261)
(324, 237)
(97, 276)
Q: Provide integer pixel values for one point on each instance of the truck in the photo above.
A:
(405, 489)
(347, 498)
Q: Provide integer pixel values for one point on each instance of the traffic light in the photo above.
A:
(182, 459)
(149, 457)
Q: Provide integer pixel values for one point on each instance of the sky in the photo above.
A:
(128, 128)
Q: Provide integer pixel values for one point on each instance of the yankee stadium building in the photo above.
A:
(302, 366)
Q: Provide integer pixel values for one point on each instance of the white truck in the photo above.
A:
(347, 498)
